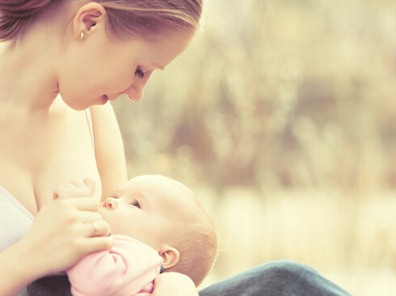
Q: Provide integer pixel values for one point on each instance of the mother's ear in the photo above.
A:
(87, 18)
(170, 256)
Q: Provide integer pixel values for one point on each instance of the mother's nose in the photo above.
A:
(136, 90)
(110, 203)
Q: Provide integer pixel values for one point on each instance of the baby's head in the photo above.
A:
(166, 215)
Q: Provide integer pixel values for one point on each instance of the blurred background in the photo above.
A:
(282, 117)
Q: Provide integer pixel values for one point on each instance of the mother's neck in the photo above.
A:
(28, 67)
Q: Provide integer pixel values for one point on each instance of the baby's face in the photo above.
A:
(145, 208)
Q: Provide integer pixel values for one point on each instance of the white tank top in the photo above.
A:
(15, 219)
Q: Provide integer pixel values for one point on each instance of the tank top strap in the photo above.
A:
(90, 126)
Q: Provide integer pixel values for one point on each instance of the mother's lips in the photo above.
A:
(113, 98)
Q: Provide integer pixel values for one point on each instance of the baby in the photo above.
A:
(157, 224)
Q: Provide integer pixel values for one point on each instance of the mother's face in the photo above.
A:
(101, 67)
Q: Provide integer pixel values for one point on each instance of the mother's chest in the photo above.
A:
(34, 163)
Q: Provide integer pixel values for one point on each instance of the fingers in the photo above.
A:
(97, 243)
(82, 203)
(87, 214)
(65, 231)
(97, 228)
(86, 183)
(75, 188)
(97, 237)
(80, 217)
(90, 184)
(81, 212)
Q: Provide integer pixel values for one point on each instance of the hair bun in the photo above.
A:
(13, 13)
(22, 8)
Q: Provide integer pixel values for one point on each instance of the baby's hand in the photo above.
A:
(75, 188)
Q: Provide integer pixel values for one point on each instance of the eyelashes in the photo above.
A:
(136, 204)
(133, 203)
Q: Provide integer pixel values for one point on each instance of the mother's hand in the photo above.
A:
(63, 232)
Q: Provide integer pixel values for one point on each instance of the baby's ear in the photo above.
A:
(170, 256)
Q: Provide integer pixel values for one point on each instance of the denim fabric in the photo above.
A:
(56, 285)
(278, 278)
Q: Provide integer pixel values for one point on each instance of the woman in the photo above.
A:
(61, 61)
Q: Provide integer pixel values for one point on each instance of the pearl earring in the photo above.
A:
(82, 35)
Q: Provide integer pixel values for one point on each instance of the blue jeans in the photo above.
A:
(277, 278)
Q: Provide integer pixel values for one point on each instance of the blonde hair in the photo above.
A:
(196, 242)
(142, 17)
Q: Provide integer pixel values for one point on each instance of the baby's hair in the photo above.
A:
(198, 250)
(196, 243)
(141, 17)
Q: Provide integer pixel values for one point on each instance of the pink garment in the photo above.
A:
(129, 268)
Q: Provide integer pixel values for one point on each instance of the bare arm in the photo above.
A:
(17, 270)
(109, 149)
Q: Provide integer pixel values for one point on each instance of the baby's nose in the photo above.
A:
(110, 203)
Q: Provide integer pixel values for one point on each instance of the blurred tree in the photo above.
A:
(282, 94)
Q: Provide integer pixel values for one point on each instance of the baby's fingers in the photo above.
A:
(75, 188)
(90, 184)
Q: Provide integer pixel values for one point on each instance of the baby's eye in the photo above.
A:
(139, 72)
(136, 204)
